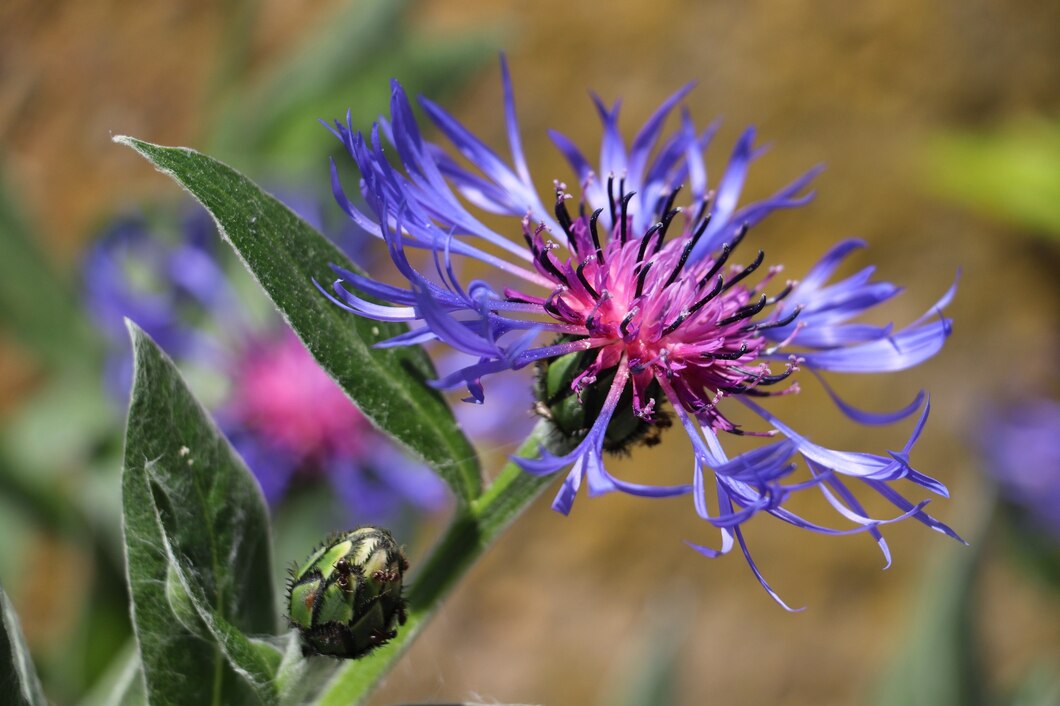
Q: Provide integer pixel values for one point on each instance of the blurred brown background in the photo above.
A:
(865, 89)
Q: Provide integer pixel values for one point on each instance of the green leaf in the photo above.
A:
(255, 662)
(1011, 173)
(651, 678)
(187, 496)
(19, 684)
(297, 678)
(285, 254)
(36, 304)
(120, 684)
(37, 455)
(344, 63)
(338, 49)
(295, 136)
(1039, 688)
(938, 663)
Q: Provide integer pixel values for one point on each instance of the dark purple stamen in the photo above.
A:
(669, 201)
(643, 274)
(779, 377)
(703, 206)
(623, 225)
(624, 326)
(774, 324)
(726, 250)
(719, 286)
(748, 270)
(666, 220)
(519, 300)
(723, 257)
(686, 252)
(731, 355)
(782, 294)
(563, 216)
(611, 197)
(745, 389)
(745, 312)
(596, 233)
(584, 280)
(702, 227)
(647, 239)
(545, 258)
(684, 315)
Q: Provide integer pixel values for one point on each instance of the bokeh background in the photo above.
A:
(939, 124)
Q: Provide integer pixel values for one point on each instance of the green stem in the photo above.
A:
(471, 532)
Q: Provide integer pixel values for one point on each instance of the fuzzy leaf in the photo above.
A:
(186, 495)
(19, 685)
(256, 662)
(284, 253)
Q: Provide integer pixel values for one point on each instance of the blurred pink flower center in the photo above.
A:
(282, 394)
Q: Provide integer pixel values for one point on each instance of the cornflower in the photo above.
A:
(640, 299)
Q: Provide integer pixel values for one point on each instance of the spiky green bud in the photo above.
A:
(345, 599)
(572, 414)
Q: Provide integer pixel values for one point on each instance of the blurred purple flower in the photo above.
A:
(649, 292)
(286, 417)
(1022, 447)
(126, 272)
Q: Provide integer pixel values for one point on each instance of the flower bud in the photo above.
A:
(572, 412)
(345, 599)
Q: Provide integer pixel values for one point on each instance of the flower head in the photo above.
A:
(164, 287)
(639, 294)
(1022, 448)
(288, 419)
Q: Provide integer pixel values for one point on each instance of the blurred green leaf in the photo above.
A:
(19, 684)
(285, 254)
(651, 677)
(1041, 687)
(344, 63)
(121, 684)
(1012, 173)
(435, 67)
(238, 18)
(36, 305)
(39, 445)
(362, 29)
(43, 460)
(16, 529)
(195, 521)
(1029, 544)
(938, 664)
(37, 500)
